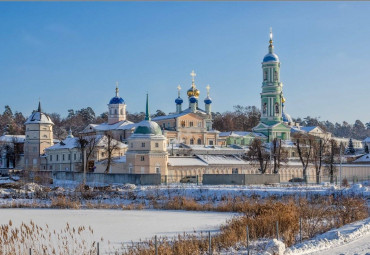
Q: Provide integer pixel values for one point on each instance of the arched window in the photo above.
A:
(275, 76)
(191, 141)
(265, 75)
(264, 108)
(121, 111)
(199, 141)
(276, 107)
(115, 111)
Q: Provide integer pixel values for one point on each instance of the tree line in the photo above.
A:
(242, 118)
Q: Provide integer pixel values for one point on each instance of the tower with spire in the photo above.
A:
(178, 100)
(147, 148)
(116, 108)
(271, 123)
(39, 136)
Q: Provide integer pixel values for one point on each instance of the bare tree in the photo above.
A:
(82, 143)
(304, 149)
(280, 155)
(110, 146)
(330, 157)
(318, 149)
(258, 154)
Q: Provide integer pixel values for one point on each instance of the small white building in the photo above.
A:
(67, 155)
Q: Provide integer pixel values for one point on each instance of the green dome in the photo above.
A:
(147, 127)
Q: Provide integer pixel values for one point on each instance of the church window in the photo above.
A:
(121, 111)
(63, 157)
(276, 107)
(199, 141)
(191, 123)
(74, 156)
(115, 111)
(275, 76)
(103, 154)
(191, 141)
(211, 142)
(183, 123)
(264, 108)
(51, 157)
(156, 145)
(57, 158)
(143, 145)
(142, 158)
(265, 75)
(158, 170)
(199, 124)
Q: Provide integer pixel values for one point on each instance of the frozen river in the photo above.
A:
(118, 226)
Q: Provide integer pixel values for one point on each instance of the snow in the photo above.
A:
(38, 118)
(349, 239)
(185, 161)
(12, 138)
(222, 160)
(364, 159)
(117, 226)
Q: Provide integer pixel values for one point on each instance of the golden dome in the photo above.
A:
(283, 100)
(193, 92)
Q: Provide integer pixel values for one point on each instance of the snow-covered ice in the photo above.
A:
(117, 226)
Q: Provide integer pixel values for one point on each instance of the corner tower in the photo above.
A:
(271, 123)
(39, 136)
(117, 108)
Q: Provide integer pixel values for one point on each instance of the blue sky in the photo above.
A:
(70, 54)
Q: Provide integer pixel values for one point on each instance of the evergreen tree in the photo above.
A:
(350, 148)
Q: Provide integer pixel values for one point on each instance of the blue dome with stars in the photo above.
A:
(271, 57)
(193, 99)
(179, 100)
(117, 100)
(208, 100)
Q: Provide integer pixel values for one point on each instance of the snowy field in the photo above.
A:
(117, 226)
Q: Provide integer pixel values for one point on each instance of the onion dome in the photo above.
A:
(117, 99)
(179, 100)
(193, 92)
(271, 57)
(208, 100)
(38, 117)
(193, 99)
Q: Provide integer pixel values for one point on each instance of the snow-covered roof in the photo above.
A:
(240, 134)
(221, 159)
(176, 115)
(185, 161)
(363, 159)
(72, 142)
(12, 138)
(308, 129)
(39, 118)
(366, 140)
(121, 125)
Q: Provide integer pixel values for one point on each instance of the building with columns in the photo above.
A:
(39, 136)
(272, 99)
(192, 125)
